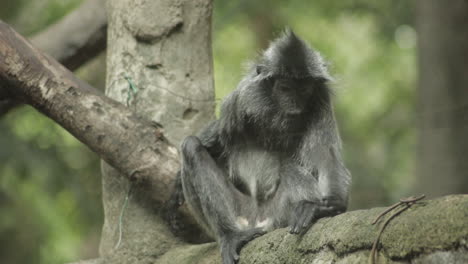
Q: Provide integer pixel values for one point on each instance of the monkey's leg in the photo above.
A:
(212, 198)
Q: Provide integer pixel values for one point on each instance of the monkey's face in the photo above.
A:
(293, 96)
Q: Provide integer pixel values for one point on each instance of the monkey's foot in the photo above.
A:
(171, 213)
(304, 214)
(232, 244)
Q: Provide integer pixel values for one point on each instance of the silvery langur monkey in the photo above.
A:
(273, 158)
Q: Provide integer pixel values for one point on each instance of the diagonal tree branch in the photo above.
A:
(434, 231)
(73, 40)
(132, 145)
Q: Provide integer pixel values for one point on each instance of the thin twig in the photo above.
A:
(376, 242)
(385, 212)
(412, 199)
(124, 206)
(402, 201)
(405, 201)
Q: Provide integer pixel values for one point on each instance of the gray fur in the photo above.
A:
(273, 158)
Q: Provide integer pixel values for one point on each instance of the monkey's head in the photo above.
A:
(292, 74)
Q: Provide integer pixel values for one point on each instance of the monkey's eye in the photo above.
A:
(283, 88)
(319, 81)
(281, 85)
(259, 69)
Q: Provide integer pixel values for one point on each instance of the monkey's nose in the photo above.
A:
(294, 111)
(326, 201)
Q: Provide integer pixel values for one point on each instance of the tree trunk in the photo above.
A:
(443, 97)
(164, 47)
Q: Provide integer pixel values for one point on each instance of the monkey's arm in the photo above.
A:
(209, 137)
(215, 138)
(331, 180)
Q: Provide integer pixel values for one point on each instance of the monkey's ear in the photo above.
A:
(321, 79)
(259, 69)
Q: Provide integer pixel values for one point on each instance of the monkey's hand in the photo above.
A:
(304, 214)
(307, 212)
(231, 244)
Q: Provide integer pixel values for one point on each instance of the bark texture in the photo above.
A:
(169, 61)
(443, 97)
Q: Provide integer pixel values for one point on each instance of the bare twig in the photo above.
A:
(407, 202)
(402, 201)
(385, 212)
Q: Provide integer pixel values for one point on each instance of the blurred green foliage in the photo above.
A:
(49, 182)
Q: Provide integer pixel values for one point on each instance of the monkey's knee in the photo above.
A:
(191, 145)
(191, 148)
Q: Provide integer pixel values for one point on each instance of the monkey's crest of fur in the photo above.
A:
(290, 56)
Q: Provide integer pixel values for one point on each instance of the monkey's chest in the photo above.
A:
(255, 171)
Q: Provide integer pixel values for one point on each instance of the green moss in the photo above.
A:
(205, 253)
(428, 232)
(434, 225)
(428, 226)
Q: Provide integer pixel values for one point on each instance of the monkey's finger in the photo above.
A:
(295, 228)
(308, 220)
(298, 211)
(181, 200)
(292, 226)
(302, 223)
(308, 215)
(234, 255)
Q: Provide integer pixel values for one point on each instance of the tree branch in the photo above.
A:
(434, 231)
(130, 144)
(73, 40)
(77, 37)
